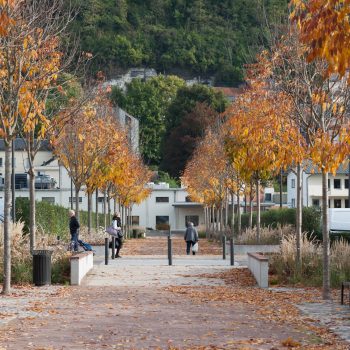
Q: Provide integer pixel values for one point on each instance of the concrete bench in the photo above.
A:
(80, 265)
(258, 264)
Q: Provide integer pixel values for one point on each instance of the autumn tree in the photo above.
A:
(29, 62)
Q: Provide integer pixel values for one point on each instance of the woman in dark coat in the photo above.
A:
(117, 225)
(191, 237)
(73, 228)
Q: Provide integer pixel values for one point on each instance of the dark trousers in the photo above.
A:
(118, 245)
(189, 244)
(74, 238)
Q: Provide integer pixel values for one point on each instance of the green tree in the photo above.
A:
(148, 101)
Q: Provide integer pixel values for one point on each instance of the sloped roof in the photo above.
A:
(343, 169)
(20, 145)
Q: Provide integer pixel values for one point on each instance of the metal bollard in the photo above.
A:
(224, 247)
(232, 257)
(113, 247)
(106, 251)
(170, 250)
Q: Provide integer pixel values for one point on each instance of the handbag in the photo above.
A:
(112, 231)
(195, 248)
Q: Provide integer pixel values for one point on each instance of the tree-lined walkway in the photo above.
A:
(138, 302)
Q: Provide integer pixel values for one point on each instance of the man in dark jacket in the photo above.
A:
(73, 227)
(191, 237)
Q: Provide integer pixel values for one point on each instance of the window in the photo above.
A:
(80, 199)
(337, 183)
(162, 199)
(188, 199)
(192, 218)
(329, 183)
(0, 162)
(162, 222)
(337, 203)
(21, 181)
(48, 199)
(268, 197)
(293, 183)
(316, 202)
(293, 202)
(346, 183)
(346, 203)
(101, 199)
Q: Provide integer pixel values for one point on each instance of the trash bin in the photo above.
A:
(42, 267)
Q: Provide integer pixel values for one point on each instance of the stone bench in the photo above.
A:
(80, 265)
(258, 264)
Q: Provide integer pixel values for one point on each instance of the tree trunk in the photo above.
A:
(226, 210)
(221, 220)
(77, 189)
(105, 208)
(281, 187)
(89, 212)
(239, 217)
(251, 205)
(7, 220)
(326, 293)
(109, 207)
(96, 206)
(299, 217)
(258, 210)
(32, 223)
(114, 205)
(233, 214)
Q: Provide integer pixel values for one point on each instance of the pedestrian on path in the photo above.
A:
(117, 225)
(73, 228)
(191, 237)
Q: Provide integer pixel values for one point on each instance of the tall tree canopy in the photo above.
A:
(199, 36)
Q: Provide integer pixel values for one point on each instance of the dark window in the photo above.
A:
(316, 202)
(80, 199)
(162, 199)
(101, 199)
(346, 184)
(293, 183)
(329, 183)
(0, 161)
(346, 203)
(21, 181)
(337, 203)
(293, 202)
(188, 199)
(48, 199)
(162, 222)
(192, 218)
(337, 183)
(268, 197)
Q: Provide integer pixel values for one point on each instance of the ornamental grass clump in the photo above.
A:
(268, 235)
(283, 264)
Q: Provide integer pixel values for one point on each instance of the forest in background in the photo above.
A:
(194, 37)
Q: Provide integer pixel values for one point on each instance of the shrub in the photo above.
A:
(51, 219)
(286, 216)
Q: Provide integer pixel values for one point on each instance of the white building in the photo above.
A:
(167, 206)
(338, 186)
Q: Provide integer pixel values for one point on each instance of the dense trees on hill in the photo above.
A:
(198, 36)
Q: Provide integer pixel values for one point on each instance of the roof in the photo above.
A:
(187, 204)
(20, 145)
(343, 169)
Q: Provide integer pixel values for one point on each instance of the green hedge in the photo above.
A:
(286, 216)
(52, 218)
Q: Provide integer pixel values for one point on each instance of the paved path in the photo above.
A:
(139, 302)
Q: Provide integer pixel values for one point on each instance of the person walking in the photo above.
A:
(117, 225)
(191, 237)
(73, 227)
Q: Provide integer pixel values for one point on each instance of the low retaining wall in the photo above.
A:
(258, 264)
(80, 265)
